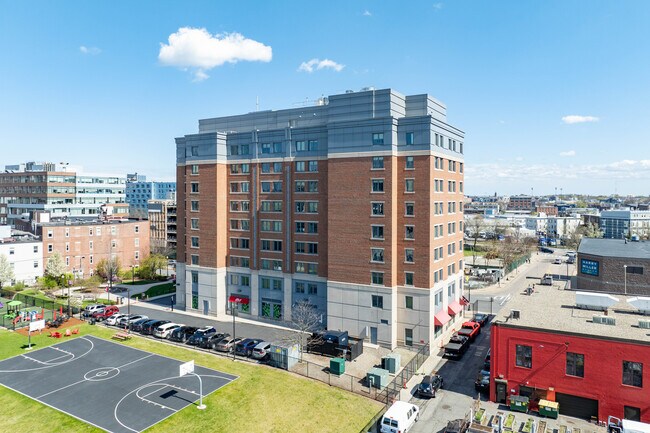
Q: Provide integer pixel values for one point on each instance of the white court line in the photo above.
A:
(74, 357)
(84, 379)
(33, 359)
(164, 385)
(61, 350)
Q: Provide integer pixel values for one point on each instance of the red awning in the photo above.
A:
(441, 318)
(239, 299)
(454, 308)
(464, 301)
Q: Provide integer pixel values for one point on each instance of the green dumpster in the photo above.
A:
(549, 409)
(337, 366)
(519, 403)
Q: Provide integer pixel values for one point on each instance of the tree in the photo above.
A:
(55, 267)
(6, 271)
(474, 226)
(108, 268)
(306, 320)
(150, 266)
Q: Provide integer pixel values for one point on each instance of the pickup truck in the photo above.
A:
(470, 330)
(456, 347)
(105, 313)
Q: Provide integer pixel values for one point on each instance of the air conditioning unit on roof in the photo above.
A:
(604, 320)
(644, 323)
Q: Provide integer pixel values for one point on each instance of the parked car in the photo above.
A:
(212, 342)
(163, 331)
(114, 318)
(182, 333)
(557, 261)
(149, 327)
(481, 319)
(90, 309)
(482, 382)
(429, 385)
(470, 330)
(571, 260)
(137, 325)
(227, 344)
(107, 312)
(246, 346)
(457, 426)
(456, 347)
(124, 321)
(201, 335)
(261, 351)
(546, 250)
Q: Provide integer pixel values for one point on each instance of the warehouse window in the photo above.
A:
(524, 356)
(575, 364)
(633, 373)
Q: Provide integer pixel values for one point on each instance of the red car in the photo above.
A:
(470, 330)
(107, 312)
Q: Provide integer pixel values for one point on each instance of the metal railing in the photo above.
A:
(391, 392)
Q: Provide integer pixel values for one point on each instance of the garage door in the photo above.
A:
(578, 407)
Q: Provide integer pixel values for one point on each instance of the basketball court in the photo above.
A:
(111, 386)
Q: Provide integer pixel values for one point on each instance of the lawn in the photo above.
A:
(262, 399)
(160, 289)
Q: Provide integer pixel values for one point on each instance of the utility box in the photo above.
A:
(284, 356)
(337, 366)
(391, 363)
(549, 409)
(519, 403)
(377, 377)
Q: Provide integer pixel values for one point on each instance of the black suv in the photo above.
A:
(183, 333)
(137, 326)
(201, 336)
(246, 346)
(149, 327)
(429, 386)
(214, 340)
(481, 319)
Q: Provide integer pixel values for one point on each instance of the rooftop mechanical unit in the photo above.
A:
(640, 303)
(604, 320)
(595, 301)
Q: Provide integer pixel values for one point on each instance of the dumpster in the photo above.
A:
(549, 408)
(337, 366)
(519, 403)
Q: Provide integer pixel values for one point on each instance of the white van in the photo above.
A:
(399, 418)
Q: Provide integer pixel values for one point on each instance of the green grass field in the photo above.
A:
(160, 289)
(262, 399)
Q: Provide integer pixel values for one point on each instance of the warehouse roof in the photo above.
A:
(614, 248)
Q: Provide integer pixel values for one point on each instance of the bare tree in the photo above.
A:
(6, 271)
(474, 227)
(306, 320)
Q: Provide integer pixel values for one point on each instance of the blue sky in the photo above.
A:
(88, 83)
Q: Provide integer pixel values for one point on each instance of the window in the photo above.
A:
(300, 288)
(50, 234)
(136, 229)
(410, 163)
(408, 278)
(377, 278)
(377, 232)
(633, 373)
(409, 209)
(195, 169)
(275, 265)
(409, 232)
(195, 259)
(408, 255)
(409, 138)
(194, 206)
(35, 248)
(377, 138)
(271, 245)
(67, 233)
(271, 206)
(306, 268)
(194, 187)
(378, 185)
(67, 247)
(575, 364)
(312, 228)
(312, 289)
(377, 208)
(313, 145)
(313, 166)
(195, 242)
(408, 336)
(194, 223)
(524, 356)
(408, 302)
(409, 185)
(195, 277)
(277, 147)
(300, 166)
(300, 186)
(377, 162)
(377, 255)
(634, 270)
(377, 301)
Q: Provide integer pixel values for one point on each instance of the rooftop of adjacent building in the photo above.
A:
(71, 222)
(554, 309)
(615, 248)
(9, 235)
(59, 168)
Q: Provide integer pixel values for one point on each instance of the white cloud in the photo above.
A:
(438, 6)
(93, 51)
(199, 50)
(519, 158)
(568, 153)
(367, 13)
(317, 64)
(574, 118)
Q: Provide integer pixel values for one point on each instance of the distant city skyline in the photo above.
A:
(546, 97)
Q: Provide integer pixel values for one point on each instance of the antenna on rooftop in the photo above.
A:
(257, 103)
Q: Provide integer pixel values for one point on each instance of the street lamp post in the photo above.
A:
(128, 308)
(233, 310)
(133, 270)
(625, 279)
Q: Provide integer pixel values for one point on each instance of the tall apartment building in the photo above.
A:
(139, 191)
(60, 189)
(163, 225)
(617, 224)
(355, 205)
